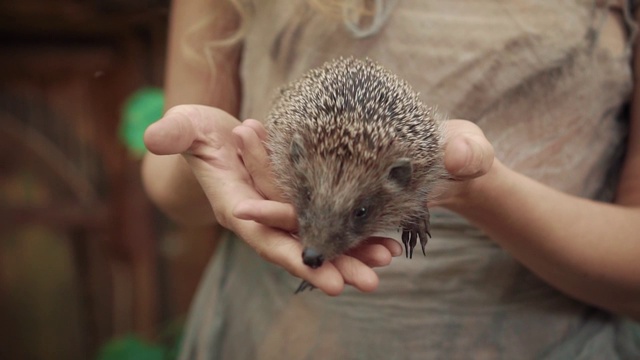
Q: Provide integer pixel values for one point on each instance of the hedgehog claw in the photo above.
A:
(304, 285)
(410, 235)
(409, 239)
(412, 242)
(405, 240)
(425, 234)
(422, 233)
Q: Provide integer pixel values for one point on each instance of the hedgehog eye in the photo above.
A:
(361, 213)
(305, 193)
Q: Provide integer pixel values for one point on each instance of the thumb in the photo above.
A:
(173, 133)
(468, 153)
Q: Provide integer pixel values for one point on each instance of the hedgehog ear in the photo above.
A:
(400, 172)
(297, 149)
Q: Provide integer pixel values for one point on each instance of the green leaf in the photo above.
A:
(142, 109)
(130, 348)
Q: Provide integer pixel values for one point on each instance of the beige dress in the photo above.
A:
(533, 75)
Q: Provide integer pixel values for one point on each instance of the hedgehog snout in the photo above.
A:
(312, 258)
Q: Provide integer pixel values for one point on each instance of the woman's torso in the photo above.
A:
(544, 80)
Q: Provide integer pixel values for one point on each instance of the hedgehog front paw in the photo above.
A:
(412, 232)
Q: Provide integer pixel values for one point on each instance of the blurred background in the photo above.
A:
(88, 268)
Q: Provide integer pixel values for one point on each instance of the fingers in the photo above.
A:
(185, 125)
(468, 153)
(394, 247)
(270, 213)
(257, 127)
(255, 157)
(283, 250)
(377, 251)
(372, 255)
(354, 268)
(356, 273)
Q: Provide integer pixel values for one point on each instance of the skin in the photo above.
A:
(594, 260)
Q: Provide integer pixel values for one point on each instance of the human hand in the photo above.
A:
(203, 135)
(355, 266)
(468, 156)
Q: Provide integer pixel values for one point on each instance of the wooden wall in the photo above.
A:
(83, 254)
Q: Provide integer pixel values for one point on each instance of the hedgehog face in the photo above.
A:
(339, 204)
(329, 226)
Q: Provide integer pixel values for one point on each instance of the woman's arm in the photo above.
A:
(589, 250)
(189, 79)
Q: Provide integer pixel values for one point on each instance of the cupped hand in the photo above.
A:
(203, 135)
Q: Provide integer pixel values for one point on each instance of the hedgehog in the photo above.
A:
(356, 152)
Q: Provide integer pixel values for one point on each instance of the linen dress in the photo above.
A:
(536, 77)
